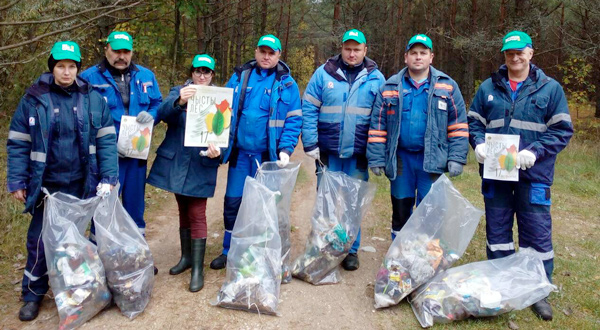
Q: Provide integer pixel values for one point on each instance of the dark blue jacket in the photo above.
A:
(539, 115)
(336, 115)
(285, 112)
(180, 169)
(144, 92)
(27, 143)
(446, 134)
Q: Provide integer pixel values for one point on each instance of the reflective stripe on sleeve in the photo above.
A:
(14, 135)
(312, 99)
(38, 156)
(106, 131)
(294, 113)
(528, 125)
(477, 116)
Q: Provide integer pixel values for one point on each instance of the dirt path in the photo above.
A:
(348, 305)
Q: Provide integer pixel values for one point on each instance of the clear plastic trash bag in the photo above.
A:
(253, 276)
(125, 254)
(479, 289)
(282, 180)
(341, 203)
(435, 236)
(75, 271)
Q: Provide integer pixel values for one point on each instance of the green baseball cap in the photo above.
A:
(270, 41)
(120, 40)
(355, 35)
(66, 50)
(420, 39)
(516, 40)
(205, 61)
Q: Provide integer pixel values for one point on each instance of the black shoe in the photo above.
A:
(351, 262)
(543, 309)
(185, 236)
(197, 280)
(219, 263)
(29, 311)
(155, 270)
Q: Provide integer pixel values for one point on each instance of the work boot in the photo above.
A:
(185, 237)
(29, 311)
(219, 262)
(543, 309)
(155, 270)
(351, 262)
(198, 248)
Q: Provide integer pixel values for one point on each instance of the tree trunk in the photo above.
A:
(398, 49)
(200, 34)
(469, 84)
(239, 35)
(337, 9)
(175, 43)
(287, 31)
(263, 22)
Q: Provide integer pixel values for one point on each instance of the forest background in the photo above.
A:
(466, 37)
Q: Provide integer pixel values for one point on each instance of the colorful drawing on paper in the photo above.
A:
(501, 157)
(134, 138)
(208, 117)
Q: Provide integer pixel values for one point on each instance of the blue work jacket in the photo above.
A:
(30, 128)
(539, 115)
(446, 134)
(178, 169)
(336, 115)
(285, 112)
(144, 92)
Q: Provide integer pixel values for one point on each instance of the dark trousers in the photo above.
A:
(192, 215)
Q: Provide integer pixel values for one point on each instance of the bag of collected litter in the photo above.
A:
(253, 274)
(282, 180)
(75, 271)
(125, 254)
(434, 237)
(341, 203)
(485, 288)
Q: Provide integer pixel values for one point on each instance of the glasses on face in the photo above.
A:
(202, 72)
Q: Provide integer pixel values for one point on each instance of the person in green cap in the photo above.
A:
(336, 112)
(418, 130)
(265, 125)
(539, 115)
(130, 90)
(188, 172)
(62, 138)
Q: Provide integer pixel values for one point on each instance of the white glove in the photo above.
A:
(103, 190)
(144, 117)
(284, 159)
(315, 153)
(525, 159)
(480, 153)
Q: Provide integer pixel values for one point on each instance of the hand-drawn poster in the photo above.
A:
(208, 117)
(134, 138)
(501, 157)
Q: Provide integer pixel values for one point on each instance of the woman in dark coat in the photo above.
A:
(188, 172)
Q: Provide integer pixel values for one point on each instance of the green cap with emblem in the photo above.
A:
(66, 50)
(355, 35)
(205, 61)
(270, 41)
(420, 39)
(120, 40)
(516, 40)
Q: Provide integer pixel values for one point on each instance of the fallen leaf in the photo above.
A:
(17, 281)
(573, 254)
(20, 256)
(567, 311)
(368, 249)
(512, 325)
(566, 274)
(17, 288)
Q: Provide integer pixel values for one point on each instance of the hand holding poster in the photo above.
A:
(501, 157)
(134, 138)
(208, 117)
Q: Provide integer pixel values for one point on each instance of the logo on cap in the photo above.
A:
(513, 38)
(269, 39)
(421, 38)
(68, 48)
(354, 34)
(121, 36)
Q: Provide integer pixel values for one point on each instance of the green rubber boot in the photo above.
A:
(185, 235)
(198, 249)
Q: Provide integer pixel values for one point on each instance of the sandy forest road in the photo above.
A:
(347, 305)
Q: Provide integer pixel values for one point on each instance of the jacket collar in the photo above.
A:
(103, 66)
(333, 64)
(42, 86)
(434, 75)
(282, 70)
(536, 76)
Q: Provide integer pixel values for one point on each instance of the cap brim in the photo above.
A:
(203, 65)
(120, 44)
(357, 39)
(273, 47)
(417, 43)
(66, 56)
(516, 45)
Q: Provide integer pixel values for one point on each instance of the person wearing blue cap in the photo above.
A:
(188, 172)
(519, 99)
(62, 138)
(418, 130)
(265, 125)
(336, 112)
(130, 90)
